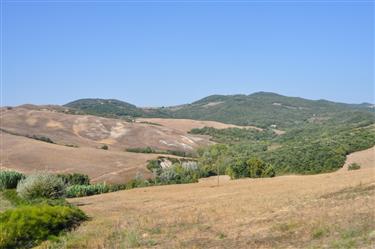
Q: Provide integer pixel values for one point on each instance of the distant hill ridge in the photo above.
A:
(262, 109)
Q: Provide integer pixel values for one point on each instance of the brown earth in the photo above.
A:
(27, 155)
(334, 210)
(93, 131)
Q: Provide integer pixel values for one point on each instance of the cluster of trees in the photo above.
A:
(179, 172)
(307, 150)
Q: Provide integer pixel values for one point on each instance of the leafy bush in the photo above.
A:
(94, 189)
(254, 168)
(354, 166)
(104, 147)
(10, 179)
(178, 174)
(41, 185)
(74, 179)
(25, 226)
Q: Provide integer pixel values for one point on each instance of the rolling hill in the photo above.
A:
(260, 109)
(49, 138)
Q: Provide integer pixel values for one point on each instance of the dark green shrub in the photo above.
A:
(42, 138)
(74, 179)
(26, 226)
(104, 147)
(41, 185)
(354, 166)
(141, 150)
(10, 179)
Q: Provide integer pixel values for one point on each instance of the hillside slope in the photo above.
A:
(332, 210)
(93, 131)
(260, 109)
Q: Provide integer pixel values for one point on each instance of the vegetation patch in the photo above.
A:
(10, 179)
(41, 185)
(42, 138)
(149, 150)
(354, 166)
(74, 179)
(26, 226)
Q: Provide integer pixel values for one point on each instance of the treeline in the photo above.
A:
(150, 150)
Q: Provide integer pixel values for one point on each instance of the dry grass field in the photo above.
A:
(186, 125)
(334, 210)
(27, 155)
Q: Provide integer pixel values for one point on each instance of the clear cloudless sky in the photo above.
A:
(160, 53)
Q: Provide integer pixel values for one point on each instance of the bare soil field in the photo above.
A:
(334, 210)
(93, 131)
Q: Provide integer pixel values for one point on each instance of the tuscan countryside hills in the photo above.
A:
(80, 128)
(275, 155)
(179, 124)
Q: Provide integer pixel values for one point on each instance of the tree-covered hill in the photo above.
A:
(260, 109)
(105, 107)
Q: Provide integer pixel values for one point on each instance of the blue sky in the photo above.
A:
(166, 53)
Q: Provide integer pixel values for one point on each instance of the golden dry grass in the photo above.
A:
(27, 155)
(333, 210)
(186, 125)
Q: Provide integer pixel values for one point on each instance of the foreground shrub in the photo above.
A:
(12, 196)
(10, 179)
(41, 185)
(354, 166)
(74, 179)
(26, 226)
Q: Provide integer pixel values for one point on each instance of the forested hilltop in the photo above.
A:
(260, 109)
